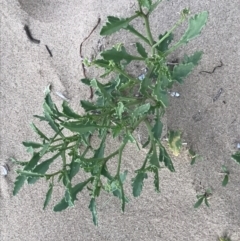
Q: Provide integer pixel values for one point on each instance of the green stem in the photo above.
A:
(148, 29)
(135, 32)
(53, 174)
(120, 157)
(120, 71)
(146, 159)
(179, 22)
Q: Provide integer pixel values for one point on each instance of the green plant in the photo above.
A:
(225, 238)
(236, 157)
(194, 156)
(203, 197)
(122, 104)
(225, 171)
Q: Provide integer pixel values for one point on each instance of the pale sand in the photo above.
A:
(27, 68)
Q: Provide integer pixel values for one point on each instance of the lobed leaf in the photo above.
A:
(33, 162)
(48, 196)
(42, 168)
(154, 6)
(194, 59)
(145, 3)
(19, 182)
(154, 159)
(88, 106)
(74, 168)
(161, 95)
(117, 55)
(68, 111)
(195, 25)
(164, 157)
(63, 204)
(141, 50)
(114, 24)
(163, 46)
(141, 110)
(137, 183)
(181, 71)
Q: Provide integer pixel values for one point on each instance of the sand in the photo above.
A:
(27, 68)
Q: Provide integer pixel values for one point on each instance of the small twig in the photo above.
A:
(29, 35)
(49, 51)
(81, 45)
(211, 72)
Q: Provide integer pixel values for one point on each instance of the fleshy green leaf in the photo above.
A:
(48, 196)
(93, 209)
(206, 202)
(225, 181)
(137, 183)
(181, 71)
(163, 46)
(86, 81)
(32, 144)
(106, 173)
(154, 159)
(174, 141)
(164, 157)
(199, 202)
(195, 25)
(33, 162)
(120, 110)
(101, 88)
(38, 132)
(160, 94)
(74, 168)
(51, 122)
(18, 184)
(195, 58)
(79, 127)
(145, 3)
(114, 24)
(154, 5)
(117, 55)
(236, 157)
(88, 106)
(42, 168)
(157, 129)
(68, 111)
(63, 204)
(141, 50)
(141, 110)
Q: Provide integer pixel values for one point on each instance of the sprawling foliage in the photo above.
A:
(122, 104)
